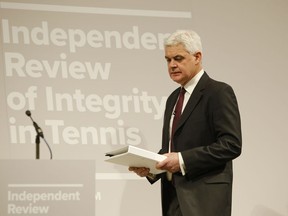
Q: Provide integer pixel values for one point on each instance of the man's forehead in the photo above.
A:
(173, 51)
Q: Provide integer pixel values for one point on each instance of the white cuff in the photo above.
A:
(181, 163)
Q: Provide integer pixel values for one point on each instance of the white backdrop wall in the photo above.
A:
(93, 75)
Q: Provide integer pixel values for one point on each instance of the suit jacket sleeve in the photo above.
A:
(215, 124)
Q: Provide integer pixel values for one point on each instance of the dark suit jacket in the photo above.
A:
(209, 138)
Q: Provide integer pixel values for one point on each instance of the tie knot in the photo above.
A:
(182, 91)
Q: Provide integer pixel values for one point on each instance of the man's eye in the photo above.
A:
(178, 58)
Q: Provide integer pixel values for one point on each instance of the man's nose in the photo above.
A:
(172, 64)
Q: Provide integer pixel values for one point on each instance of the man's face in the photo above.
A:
(182, 66)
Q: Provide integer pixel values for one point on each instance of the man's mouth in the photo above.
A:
(175, 72)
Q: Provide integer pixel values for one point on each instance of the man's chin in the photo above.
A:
(179, 81)
(175, 77)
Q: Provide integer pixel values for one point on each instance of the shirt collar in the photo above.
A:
(189, 87)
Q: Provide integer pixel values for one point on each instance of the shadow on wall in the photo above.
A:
(264, 211)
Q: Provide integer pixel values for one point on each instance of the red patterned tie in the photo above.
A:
(177, 114)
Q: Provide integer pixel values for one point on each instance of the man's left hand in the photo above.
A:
(171, 163)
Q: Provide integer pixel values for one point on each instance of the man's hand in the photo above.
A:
(171, 163)
(140, 171)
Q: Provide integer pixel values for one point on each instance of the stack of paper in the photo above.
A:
(132, 156)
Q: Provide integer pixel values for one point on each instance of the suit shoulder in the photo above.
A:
(174, 94)
(215, 85)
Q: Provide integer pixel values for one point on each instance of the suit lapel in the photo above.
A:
(167, 118)
(194, 99)
(170, 107)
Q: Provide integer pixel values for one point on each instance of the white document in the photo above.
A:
(132, 156)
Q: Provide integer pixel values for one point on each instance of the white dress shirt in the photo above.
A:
(189, 87)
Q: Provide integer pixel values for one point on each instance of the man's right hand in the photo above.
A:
(140, 171)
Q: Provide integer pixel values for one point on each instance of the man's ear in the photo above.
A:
(198, 56)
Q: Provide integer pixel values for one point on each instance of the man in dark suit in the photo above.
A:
(205, 140)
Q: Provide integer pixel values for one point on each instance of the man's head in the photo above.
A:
(183, 52)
